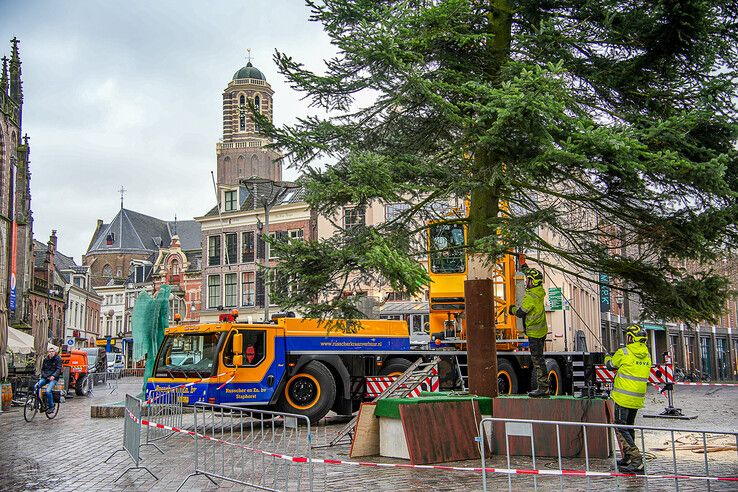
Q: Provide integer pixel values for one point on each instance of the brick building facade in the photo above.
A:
(16, 220)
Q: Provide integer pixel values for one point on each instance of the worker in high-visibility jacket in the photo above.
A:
(533, 313)
(633, 365)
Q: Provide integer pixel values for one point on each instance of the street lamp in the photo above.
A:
(274, 193)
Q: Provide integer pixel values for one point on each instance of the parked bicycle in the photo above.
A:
(36, 402)
(693, 376)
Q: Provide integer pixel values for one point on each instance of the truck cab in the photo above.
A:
(209, 352)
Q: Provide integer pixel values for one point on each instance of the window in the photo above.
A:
(175, 267)
(706, 356)
(259, 289)
(398, 296)
(353, 217)
(278, 236)
(260, 247)
(296, 235)
(213, 291)
(247, 247)
(247, 289)
(107, 271)
(213, 250)
(188, 354)
(242, 113)
(109, 327)
(231, 290)
(231, 199)
(580, 341)
(257, 104)
(118, 324)
(447, 254)
(253, 349)
(231, 243)
(393, 210)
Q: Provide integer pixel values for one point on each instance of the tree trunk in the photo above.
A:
(481, 337)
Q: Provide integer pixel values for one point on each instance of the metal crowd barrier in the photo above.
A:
(137, 372)
(165, 406)
(252, 448)
(658, 470)
(132, 435)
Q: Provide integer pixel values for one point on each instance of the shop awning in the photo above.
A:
(403, 307)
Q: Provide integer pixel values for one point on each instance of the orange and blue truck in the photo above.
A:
(294, 365)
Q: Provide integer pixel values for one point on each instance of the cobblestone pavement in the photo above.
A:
(67, 454)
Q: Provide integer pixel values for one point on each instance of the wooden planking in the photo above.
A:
(441, 432)
(559, 409)
(366, 432)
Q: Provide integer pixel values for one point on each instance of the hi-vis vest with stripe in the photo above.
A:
(633, 364)
(535, 318)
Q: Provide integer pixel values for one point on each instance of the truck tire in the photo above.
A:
(311, 392)
(507, 380)
(81, 386)
(395, 367)
(555, 379)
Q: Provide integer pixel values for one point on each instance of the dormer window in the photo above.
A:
(230, 200)
(110, 239)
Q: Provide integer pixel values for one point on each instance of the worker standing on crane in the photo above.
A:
(533, 314)
(633, 365)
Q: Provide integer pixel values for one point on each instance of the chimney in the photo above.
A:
(52, 238)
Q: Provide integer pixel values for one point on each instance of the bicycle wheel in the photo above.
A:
(51, 415)
(30, 409)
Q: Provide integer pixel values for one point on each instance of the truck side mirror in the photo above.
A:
(238, 360)
(237, 344)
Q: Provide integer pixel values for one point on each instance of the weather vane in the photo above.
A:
(248, 54)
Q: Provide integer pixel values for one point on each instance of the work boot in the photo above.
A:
(635, 467)
(538, 393)
(623, 462)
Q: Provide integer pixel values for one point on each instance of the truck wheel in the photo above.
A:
(81, 387)
(507, 380)
(395, 367)
(310, 392)
(555, 380)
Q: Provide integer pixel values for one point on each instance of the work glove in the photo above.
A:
(512, 309)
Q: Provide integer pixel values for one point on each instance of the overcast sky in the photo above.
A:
(129, 93)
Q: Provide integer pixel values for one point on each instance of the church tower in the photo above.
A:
(241, 152)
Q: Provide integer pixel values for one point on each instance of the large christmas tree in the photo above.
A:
(546, 114)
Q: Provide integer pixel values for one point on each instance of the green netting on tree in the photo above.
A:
(150, 318)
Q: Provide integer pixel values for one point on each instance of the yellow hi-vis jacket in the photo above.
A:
(633, 364)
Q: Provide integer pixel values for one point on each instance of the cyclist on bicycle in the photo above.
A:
(50, 371)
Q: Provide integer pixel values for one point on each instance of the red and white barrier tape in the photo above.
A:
(504, 471)
(191, 383)
(687, 383)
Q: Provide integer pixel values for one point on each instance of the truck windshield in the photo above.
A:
(187, 355)
(447, 248)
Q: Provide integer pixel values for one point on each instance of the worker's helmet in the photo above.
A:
(534, 276)
(637, 333)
